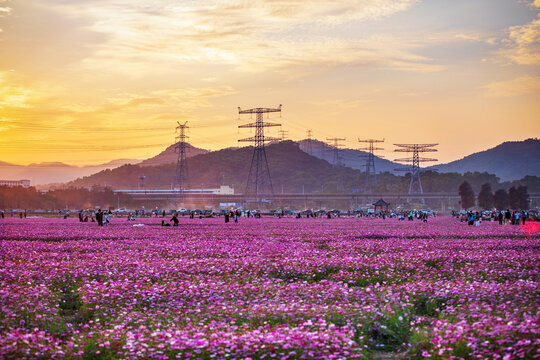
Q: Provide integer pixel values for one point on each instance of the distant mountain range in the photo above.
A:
(292, 170)
(55, 172)
(229, 167)
(355, 159)
(509, 161)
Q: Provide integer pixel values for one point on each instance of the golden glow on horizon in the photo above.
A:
(93, 81)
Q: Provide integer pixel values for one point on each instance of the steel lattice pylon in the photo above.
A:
(415, 185)
(371, 175)
(259, 184)
(309, 148)
(336, 161)
(181, 167)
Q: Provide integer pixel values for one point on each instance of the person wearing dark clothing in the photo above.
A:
(500, 218)
(507, 215)
(81, 216)
(226, 217)
(174, 219)
(99, 218)
(163, 223)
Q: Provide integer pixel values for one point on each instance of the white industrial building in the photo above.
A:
(12, 183)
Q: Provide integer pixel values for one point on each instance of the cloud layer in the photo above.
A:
(95, 69)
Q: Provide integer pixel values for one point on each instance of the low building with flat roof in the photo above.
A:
(12, 183)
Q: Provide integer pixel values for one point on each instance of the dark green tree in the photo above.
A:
(467, 195)
(513, 198)
(485, 197)
(523, 197)
(501, 199)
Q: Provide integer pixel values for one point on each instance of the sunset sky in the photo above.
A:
(89, 81)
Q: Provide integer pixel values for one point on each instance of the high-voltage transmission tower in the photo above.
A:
(371, 175)
(309, 146)
(259, 184)
(142, 182)
(415, 186)
(181, 167)
(336, 161)
(283, 134)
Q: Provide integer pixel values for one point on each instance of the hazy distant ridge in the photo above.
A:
(510, 160)
(352, 158)
(169, 155)
(55, 172)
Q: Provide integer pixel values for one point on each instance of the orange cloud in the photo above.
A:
(515, 87)
(523, 44)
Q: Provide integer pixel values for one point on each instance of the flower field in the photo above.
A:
(268, 289)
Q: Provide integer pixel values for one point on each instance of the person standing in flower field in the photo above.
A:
(508, 216)
(99, 217)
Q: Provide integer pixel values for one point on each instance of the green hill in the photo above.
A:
(292, 170)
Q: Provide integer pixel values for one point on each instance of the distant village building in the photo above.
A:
(11, 183)
(222, 190)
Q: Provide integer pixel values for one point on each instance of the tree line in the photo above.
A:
(517, 197)
(73, 198)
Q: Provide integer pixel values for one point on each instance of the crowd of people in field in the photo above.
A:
(20, 214)
(508, 216)
(101, 217)
(234, 215)
(104, 217)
